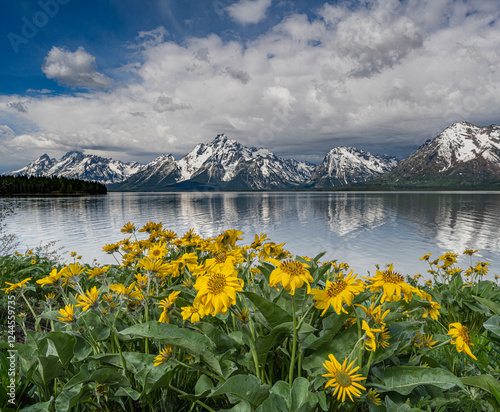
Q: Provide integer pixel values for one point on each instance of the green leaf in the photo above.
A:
(403, 379)
(239, 407)
(335, 323)
(493, 325)
(301, 397)
(273, 314)
(131, 393)
(39, 407)
(64, 345)
(340, 346)
(203, 386)
(275, 403)
(68, 398)
(191, 341)
(243, 387)
(481, 381)
(50, 368)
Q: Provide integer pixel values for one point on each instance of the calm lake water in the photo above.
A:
(362, 229)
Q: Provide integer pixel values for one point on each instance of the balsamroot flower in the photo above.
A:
(195, 313)
(291, 274)
(343, 379)
(217, 290)
(164, 355)
(18, 285)
(393, 285)
(338, 292)
(460, 338)
(88, 299)
(67, 314)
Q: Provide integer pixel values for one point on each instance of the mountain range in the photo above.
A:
(462, 156)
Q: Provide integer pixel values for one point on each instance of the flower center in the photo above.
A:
(220, 258)
(216, 284)
(343, 379)
(335, 288)
(156, 252)
(464, 333)
(292, 268)
(392, 277)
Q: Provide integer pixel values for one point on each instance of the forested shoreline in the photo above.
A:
(42, 185)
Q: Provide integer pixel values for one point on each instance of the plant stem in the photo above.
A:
(294, 344)
(208, 408)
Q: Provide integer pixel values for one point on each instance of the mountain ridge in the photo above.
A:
(462, 156)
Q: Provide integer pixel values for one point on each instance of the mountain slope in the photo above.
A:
(462, 156)
(76, 165)
(347, 165)
(223, 164)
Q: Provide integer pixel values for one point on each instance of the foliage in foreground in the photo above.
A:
(185, 323)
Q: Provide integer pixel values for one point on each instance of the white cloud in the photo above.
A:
(382, 78)
(74, 69)
(248, 11)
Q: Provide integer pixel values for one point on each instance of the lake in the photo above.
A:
(360, 228)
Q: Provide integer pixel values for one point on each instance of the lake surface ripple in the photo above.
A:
(360, 228)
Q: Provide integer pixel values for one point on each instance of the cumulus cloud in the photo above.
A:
(170, 104)
(74, 69)
(237, 74)
(248, 11)
(380, 77)
(18, 106)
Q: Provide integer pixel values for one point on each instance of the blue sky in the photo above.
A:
(133, 79)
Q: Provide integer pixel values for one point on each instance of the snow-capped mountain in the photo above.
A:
(223, 164)
(76, 165)
(347, 165)
(463, 155)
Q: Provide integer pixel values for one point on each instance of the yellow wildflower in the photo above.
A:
(89, 299)
(217, 290)
(291, 274)
(343, 379)
(67, 314)
(195, 312)
(164, 355)
(336, 293)
(461, 338)
(18, 285)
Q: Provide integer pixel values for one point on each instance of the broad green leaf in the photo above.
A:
(398, 407)
(203, 386)
(403, 379)
(340, 346)
(243, 387)
(64, 345)
(189, 340)
(335, 323)
(223, 342)
(481, 381)
(239, 407)
(273, 314)
(301, 397)
(275, 403)
(493, 325)
(82, 349)
(68, 398)
(131, 393)
(39, 407)
(50, 368)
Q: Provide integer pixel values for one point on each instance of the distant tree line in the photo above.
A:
(20, 185)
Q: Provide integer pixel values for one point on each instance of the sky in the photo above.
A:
(133, 80)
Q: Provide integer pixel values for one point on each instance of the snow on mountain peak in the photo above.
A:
(463, 142)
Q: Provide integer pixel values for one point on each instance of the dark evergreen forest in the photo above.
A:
(41, 185)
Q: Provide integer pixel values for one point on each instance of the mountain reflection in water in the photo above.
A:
(360, 228)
